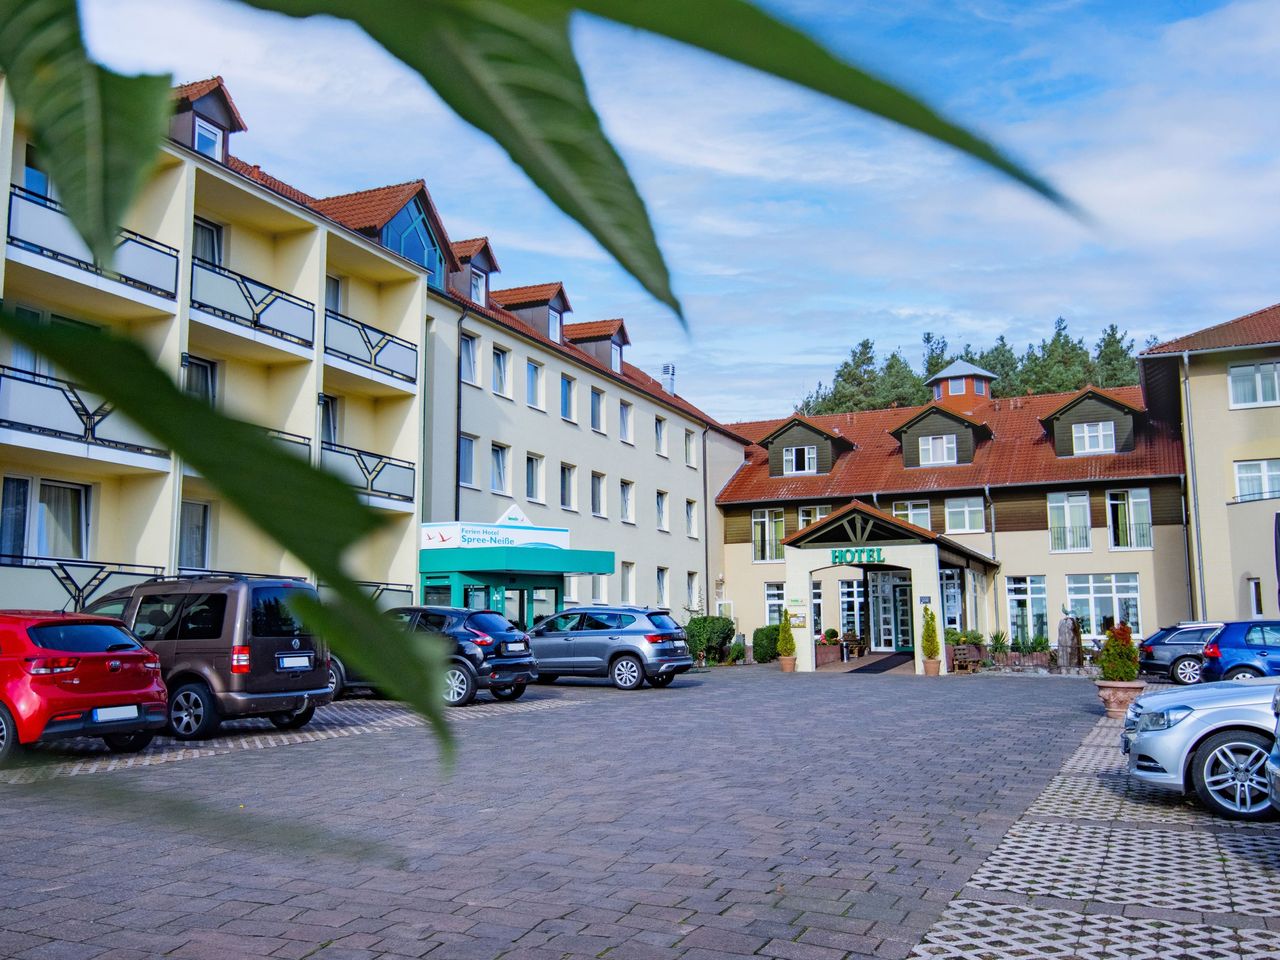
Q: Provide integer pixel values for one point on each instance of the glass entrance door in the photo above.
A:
(880, 585)
(953, 598)
(903, 633)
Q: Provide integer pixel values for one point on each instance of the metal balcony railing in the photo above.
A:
(38, 224)
(39, 403)
(1256, 495)
(55, 583)
(293, 442)
(251, 303)
(369, 347)
(372, 473)
(1069, 538)
(1135, 536)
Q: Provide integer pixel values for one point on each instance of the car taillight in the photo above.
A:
(239, 659)
(41, 666)
(151, 665)
(481, 639)
(1147, 649)
(1211, 649)
(657, 637)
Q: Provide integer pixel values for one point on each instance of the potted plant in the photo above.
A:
(786, 645)
(929, 643)
(826, 648)
(1118, 661)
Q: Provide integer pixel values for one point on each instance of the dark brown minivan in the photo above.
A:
(229, 646)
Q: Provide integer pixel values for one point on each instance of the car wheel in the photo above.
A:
(1185, 670)
(1242, 673)
(193, 715)
(294, 720)
(128, 742)
(547, 678)
(459, 686)
(662, 681)
(1228, 776)
(10, 748)
(627, 673)
(513, 692)
(337, 677)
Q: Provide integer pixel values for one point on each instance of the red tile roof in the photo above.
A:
(515, 297)
(935, 407)
(193, 91)
(464, 250)
(1111, 396)
(596, 330)
(1262, 327)
(1020, 452)
(808, 422)
(369, 209)
(260, 176)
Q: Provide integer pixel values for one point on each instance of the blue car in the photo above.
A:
(1250, 648)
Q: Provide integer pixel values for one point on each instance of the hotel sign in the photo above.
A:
(513, 529)
(857, 555)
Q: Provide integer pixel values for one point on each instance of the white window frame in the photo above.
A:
(1026, 592)
(469, 359)
(555, 325)
(500, 469)
(1262, 373)
(661, 503)
(501, 371)
(569, 486)
(479, 279)
(467, 463)
(569, 399)
(539, 463)
(1090, 588)
(955, 386)
(599, 422)
(1254, 587)
(626, 420)
(660, 436)
(775, 593)
(189, 361)
(691, 518)
(692, 591)
(627, 501)
(216, 232)
(34, 508)
(599, 495)
(792, 457)
(949, 455)
(599, 588)
(202, 125)
(535, 395)
(913, 511)
(1093, 438)
(662, 582)
(1267, 476)
(965, 509)
(690, 449)
(766, 537)
(1063, 501)
(1133, 496)
(813, 513)
(615, 357)
(627, 581)
(207, 510)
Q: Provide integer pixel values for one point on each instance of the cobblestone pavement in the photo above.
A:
(739, 812)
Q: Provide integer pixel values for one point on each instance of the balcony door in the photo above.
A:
(44, 518)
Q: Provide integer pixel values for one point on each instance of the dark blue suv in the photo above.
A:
(1250, 648)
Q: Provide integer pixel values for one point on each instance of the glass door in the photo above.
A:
(882, 622)
(904, 638)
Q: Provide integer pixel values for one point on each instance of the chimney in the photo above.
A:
(669, 378)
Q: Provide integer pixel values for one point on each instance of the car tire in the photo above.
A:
(627, 673)
(337, 677)
(10, 746)
(1185, 671)
(295, 719)
(459, 686)
(547, 678)
(128, 742)
(193, 714)
(513, 692)
(1242, 673)
(664, 680)
(1217, 768)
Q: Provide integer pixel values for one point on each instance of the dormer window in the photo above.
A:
(938, 451)
(207, 139)
(1090, 438)
(408, 234)
(615, 357)
(799, 460)
(955, 386)
(479, 286)
(555, 325)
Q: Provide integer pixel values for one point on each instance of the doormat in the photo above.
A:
(884, 664)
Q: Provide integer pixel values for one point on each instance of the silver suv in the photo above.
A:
(629, 645)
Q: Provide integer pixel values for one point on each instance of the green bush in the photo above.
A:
(831, 635)
(973, 636)
(999, 642)
(786, 639)
(1040, 643)
(764, 644)
(737, 652)
(929, 636)
(710, 634)
(1119, 657)
(952, 636)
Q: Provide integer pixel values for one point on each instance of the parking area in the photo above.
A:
(739, 812)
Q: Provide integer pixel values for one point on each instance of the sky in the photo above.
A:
(795, 226)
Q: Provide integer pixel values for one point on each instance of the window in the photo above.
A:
(555, 323)
(193, 535)
(1101, 600)
(662, 586)
(570, 596)
(1263, 636)
(57, 527)
(1254, 588)
(408, 234)
(851, 606)
(1257, 479)
(964, 515)
(1069, 522)
(270, 614)
(660, 436)
(626, 502)
(597, 410)
(466, 460)
(501, 372)
(333, 293)
(955, 386)
(615, 357)
(938, 451)
(1255, 385)
(328, 418)
(979, 386)
(568, 404)
(692, 596)
(691, 518)
(937, 391)
(627, 582)
(913, 511)
(690, 449)
(1028, 607)
(479, 286)
(815, 606)
(34, 178)
(157, 616)
(206, 241)
(597, 495)
(533, 385)
(200, 379)
(533, 477)
(568, 486)
(499, 461)
(469, 359)
(810, 515)
(624, 422)
(599, 590)
(207, 139)
(1129, 519)
(767, 531)
(203, 617)
(660, 502)
(773, 602)
(800, 460)
(1087, 438)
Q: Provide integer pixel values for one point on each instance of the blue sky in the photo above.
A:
(794, 227)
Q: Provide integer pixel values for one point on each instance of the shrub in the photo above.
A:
(1119, 657)
(951, 636)
(786, 639)
(764, 643)
(710, 634)
(929, 636)
(737, 652)
(1040, 643)
(999, 642)
(973, 636)
(831, 635)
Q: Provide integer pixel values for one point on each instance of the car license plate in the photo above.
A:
(294, 662)
(517, 646)
(104, 714)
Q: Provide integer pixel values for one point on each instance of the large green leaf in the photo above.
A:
(313, 515)
(98, 131)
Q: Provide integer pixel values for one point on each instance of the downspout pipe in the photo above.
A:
(1202, 612)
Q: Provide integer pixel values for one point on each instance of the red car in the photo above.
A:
(70, 675)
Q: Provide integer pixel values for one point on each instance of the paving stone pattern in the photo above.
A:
(741, 812)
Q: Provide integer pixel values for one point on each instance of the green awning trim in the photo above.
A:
(515, 560)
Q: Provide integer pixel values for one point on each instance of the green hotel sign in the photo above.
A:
(858, 555)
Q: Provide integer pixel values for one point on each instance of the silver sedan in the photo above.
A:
(1211, 738)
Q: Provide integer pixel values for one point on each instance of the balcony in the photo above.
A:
(1135, 536)
(248, 308)
(293, 443)
(55, 583)
(41, 412)
(1069, 539)
(385, 481)
(369, 353)
(142, 269)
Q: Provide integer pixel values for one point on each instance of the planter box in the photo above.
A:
(1012, 659)
(824, 653)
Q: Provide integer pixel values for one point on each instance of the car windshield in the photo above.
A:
(271, 614)
(663, 621)
(83, 637)
(489, 623)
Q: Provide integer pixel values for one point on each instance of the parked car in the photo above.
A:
(1249, 648)
(629, 645)
(1272, 765)
(1176, 652)
(487, 653)
(230, 647)
(67, 675)
(1211, 738)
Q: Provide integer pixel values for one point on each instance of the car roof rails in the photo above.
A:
(220, 575)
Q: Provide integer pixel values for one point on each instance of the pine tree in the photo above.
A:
(1003, 362)
(935, 354)
(851, 388)
(898, 384)
(1060, 364)
(1114, 364)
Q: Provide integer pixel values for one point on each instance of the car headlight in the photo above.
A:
(1163, 719)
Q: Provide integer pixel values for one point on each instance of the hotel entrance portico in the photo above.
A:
(903, 569)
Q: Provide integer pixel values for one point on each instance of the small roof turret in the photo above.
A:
(961, 368)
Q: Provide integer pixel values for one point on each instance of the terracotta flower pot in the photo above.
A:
(1116, 695)
(931, 667)
(788, 664)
